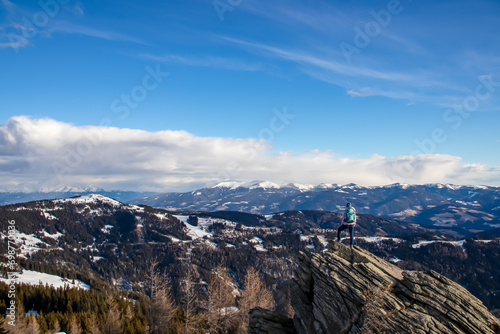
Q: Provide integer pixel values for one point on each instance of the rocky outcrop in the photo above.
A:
(267, 322)
(352, 291)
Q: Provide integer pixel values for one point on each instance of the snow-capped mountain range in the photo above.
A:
(441, 205)
(445, 206)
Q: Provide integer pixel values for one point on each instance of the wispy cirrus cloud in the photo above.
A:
(361, 92)
(322, 17)
(358, 80)
(13, 42)
(78, 29)
(7, 3)
(403, 59)
(37, 153)
(19, 28)
(234, 64)
(413, 84)
(338, 67)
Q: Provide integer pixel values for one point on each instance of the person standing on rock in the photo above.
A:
(348, 222)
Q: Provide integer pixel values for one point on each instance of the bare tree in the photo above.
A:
(221, 301)
(375, 319)
(3, 330)
(20, 324)
(94, 326)
(190, 300)
(56, 328)
(113, 324)
(33, 327)
(255, 294)
(162, 307)
(74, 327)
(287, 309)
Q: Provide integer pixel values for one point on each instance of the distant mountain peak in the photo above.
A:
(90, 198)
(256, 184)
(264, 185)
(25, 189)
(228, 184)
(249, 185)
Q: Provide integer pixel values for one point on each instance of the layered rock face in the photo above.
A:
(352, 291)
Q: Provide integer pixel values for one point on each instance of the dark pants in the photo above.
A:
(351, 231)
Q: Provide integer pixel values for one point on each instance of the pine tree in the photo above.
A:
(255, 294)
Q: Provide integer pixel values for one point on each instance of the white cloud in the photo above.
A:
(37, 153)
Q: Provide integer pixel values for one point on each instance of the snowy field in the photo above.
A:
(27, 243)
(37, 278)
(195, 232)
(379, 240)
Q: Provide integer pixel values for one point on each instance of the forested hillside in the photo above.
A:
(136, 267)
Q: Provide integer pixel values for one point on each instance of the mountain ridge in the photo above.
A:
(20, 196)
(454, 208)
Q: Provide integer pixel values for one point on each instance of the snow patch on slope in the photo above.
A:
(459, 243)
(26, 243)
(53, 236)
(195, 232)
(36, 278)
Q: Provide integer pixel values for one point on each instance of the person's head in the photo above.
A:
(348, 205)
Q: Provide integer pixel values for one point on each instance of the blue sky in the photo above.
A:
(371, 92)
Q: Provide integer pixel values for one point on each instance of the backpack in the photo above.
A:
(350, 216)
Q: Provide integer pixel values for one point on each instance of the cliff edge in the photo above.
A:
(347, 290)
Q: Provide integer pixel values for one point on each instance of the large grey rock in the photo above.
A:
(267, 322)
(352, 291)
